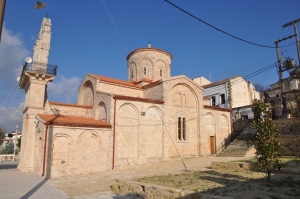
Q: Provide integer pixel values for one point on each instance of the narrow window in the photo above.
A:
(160, 72)
(179, 128)
(213, 101)
(222, 98)
(145, 71)
(183, 129)
(132, 74)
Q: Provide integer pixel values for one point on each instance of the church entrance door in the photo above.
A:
(212, 144)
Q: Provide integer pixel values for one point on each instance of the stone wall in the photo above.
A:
(149, 191)
(77, 150)
(290, 144)
(70, 110)
(233, 165)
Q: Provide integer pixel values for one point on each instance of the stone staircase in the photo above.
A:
(241, 147)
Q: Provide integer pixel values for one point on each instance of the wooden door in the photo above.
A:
(212, 144)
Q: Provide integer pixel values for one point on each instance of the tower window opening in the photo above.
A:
(160, 72)
(145, 70)
(132, 74)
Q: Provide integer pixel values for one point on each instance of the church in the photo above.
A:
(152, 117)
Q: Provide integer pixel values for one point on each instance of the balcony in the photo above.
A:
(37, 68)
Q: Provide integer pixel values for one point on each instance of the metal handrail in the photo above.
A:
(224, 144)
(41, 68)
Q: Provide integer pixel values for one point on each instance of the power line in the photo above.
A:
(113, 21)
(212, 91)
(235, 37)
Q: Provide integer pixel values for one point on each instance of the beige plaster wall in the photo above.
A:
(239, 92)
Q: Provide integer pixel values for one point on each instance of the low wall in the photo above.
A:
(290, 144)
(233, 165)
(149, 191)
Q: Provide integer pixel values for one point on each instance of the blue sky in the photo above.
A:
(85, 40)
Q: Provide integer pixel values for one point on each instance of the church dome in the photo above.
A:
(150, 63)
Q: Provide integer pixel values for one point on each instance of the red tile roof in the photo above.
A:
(61, 120)
(72, 105)
(217, 108)
(143, 80)
(148, 49)
(139, 99)
(115, 81)
(215, 83)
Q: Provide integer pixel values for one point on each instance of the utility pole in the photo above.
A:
(294, 23)
(15, 141)
(2, 9)
(280, 70)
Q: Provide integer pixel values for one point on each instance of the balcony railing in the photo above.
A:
(40, 68)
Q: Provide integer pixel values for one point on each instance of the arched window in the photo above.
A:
(160, 72)
(132, 74)
(181, 130)
(145, 71)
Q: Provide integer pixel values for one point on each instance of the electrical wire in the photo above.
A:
(113, 21)
(9, 107)
(226, 33)
(9, 93)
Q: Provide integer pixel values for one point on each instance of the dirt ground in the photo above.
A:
(235, 184)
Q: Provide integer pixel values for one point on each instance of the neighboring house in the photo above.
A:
(290, 88)
(152, 117)
(11, 137)
(230, 93)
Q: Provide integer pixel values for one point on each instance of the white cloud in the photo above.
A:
(9, 117)
(64, 88)
(12, 54)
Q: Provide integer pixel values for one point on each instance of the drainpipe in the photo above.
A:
(45, 144)
(114, 135)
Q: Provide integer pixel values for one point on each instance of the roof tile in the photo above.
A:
(139, 99)
(62, 120)
(72, 105)
(116, 81)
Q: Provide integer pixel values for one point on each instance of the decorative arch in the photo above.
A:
(132, 72)
(148, 64)
(60, 150)
(87, 93)
(151, 138)
(187, 92)
(127, 128)
(160, 65)
(101, 113)
(89, 150)
(224, 125)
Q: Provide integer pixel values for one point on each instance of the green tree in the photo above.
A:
(2, 135)
(8, 149)
(266, 145)
(19, 140)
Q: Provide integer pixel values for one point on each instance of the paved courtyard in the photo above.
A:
(14, 184)
(100, 182)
